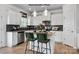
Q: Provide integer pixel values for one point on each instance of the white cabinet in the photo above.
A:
(58, 36)
(3, 19)
(12, 38)
(69, 25)
(18, 18)
(57, 19)
(14, 17)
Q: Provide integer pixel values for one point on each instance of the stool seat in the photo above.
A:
(44, 41)
(32, 39)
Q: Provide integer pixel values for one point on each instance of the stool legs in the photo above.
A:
(41, 47)
(26, 49)
(26, 46)
(49, 47)
(33, 46)
(46, 48)
(38, 48)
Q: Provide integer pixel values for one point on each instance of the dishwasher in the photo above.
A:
(20, 37)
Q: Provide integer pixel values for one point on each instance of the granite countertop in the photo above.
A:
(26, 31)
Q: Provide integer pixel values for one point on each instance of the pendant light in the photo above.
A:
(45, 12)
(34, 13)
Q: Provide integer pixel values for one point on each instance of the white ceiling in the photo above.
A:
(38, 7)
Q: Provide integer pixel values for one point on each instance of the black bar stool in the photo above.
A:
(30, 38)
(42, 38)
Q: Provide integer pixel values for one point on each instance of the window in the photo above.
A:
(24, 22)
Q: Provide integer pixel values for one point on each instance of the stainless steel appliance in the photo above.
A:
(20, 37)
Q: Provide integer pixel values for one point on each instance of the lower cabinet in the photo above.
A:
(2, 38)
(58, 36)
(12, 38)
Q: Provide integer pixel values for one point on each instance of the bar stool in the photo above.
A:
(30, 38)
(42, 38)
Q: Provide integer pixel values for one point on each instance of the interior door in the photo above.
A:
(69, 25)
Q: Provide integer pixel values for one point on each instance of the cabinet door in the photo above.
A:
(3, 31)
(3, 18)
(18, 18)
(4, 39)
(58, 36)
(14, 17)
(69, 25)
(14, 38)
(57, 19)
(9, 39)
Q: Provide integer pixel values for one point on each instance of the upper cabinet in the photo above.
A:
(57, 19)
(14, 17)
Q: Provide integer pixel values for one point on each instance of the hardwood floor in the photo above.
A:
(19, 49)
(64, 49)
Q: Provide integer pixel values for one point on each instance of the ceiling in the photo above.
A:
(38, 7)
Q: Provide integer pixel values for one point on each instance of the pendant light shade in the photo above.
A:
(45, 12)
(34, 13)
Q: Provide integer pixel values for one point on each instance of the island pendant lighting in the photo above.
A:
(34, 13)
(45, 12)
